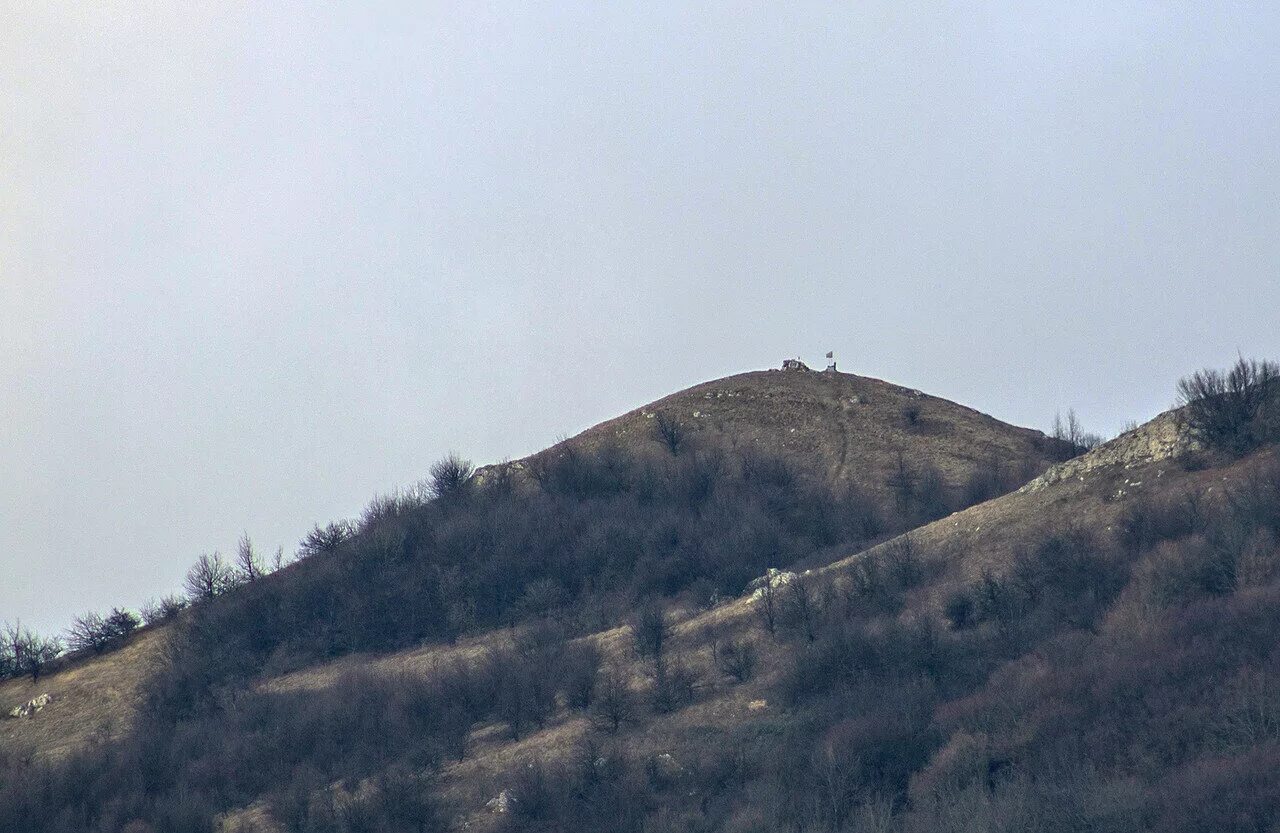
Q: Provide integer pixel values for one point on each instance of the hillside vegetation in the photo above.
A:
(579, 641)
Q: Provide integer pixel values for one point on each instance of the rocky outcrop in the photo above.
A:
(29, 708)
(771, 580)
(501, 803)
(1162, 438)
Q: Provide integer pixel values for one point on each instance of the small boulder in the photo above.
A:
(501, 803)
(29, 708)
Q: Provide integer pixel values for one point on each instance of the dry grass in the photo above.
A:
(93, 699)
(848, 427)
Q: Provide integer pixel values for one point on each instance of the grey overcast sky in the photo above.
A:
(259, 262)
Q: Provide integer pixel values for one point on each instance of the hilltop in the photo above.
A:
(847, 428)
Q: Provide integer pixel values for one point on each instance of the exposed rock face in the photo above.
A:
(501, 803)
(1162, 438)
(29, 708)
(773, 579)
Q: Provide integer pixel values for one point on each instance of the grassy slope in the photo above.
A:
(848, 427)
(1089, 493)
(91, 699)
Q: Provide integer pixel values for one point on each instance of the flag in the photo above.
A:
(831, 354)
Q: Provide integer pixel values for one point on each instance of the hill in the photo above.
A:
(574, 641)
(844, 430)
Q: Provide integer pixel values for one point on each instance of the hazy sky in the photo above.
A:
(261, 261)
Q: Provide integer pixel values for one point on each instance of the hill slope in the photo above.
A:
(938, 679)
(847, 428)
(842, 428)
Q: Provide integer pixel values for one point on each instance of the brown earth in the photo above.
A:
(849, 428)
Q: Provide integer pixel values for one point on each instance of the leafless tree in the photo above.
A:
(155, 612)
(767, 604)
(1070, 433)
(736, 658)
(803, 608)
(28, 652)
(614, 704)
(580, 670)
(210, 576)
(248, 567)
(325, 539)
(1235, 410)
(670, 432)
(94, 632)
(902, 482)
(651, 632)
(88, 633)
(673, 685)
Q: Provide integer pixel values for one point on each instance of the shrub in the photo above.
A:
(736, 659)
(1233, 410)
(93, 632)
(325, 539)
(959, 609)
(156, 612)
(210, 576)
(451, 477)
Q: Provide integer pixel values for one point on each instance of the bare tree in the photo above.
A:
(248, 567)
(613, 704)
(803, 608)
(651, 632)
(28, 652)
(670, 432)
(1234, 410)
(89, 633)
(210, 576)
(326, 539)
(580, 669)
(736, 659)
(673, 685)
(155, 612)
(1072, 437)
(902, 482)
(767, 604)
